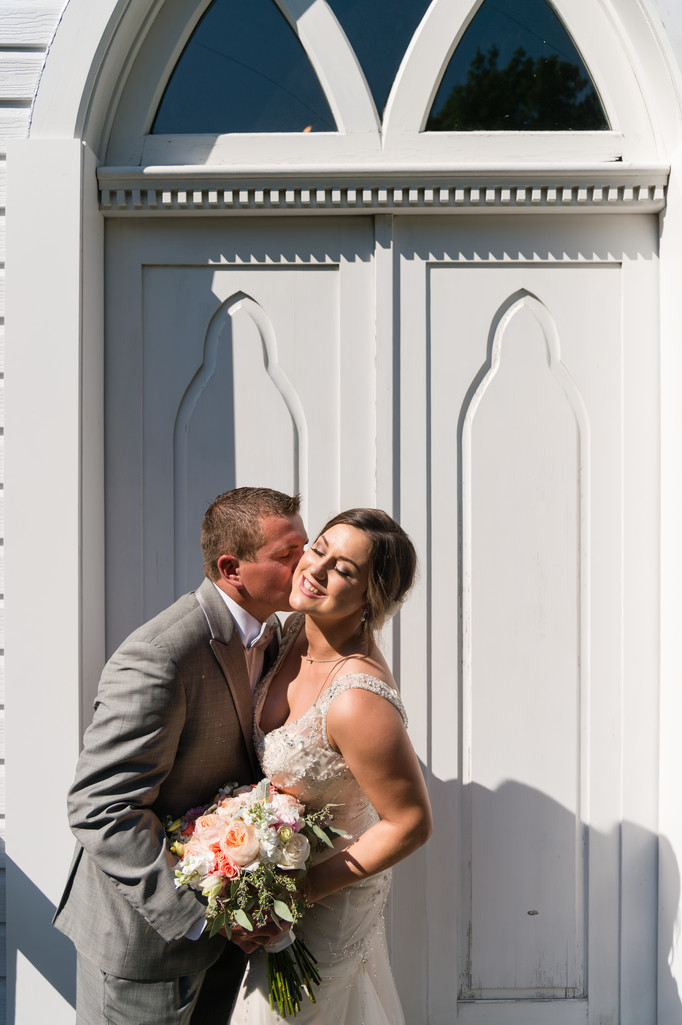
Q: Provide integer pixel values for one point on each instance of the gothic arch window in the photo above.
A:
(413, 84)
(394, 24)
(516, 69)
(244, 70)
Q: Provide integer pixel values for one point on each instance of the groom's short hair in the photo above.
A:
(232, 524)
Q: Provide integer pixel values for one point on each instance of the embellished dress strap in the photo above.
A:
(359, 681)
(261, 689)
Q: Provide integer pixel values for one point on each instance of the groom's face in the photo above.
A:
(267, 580)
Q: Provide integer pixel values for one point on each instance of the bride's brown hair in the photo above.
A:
(392, 563)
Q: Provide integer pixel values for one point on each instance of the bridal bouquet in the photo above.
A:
(246, 853)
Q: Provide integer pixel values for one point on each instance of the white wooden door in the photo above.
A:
(224, 367)
(498, 376)
(528, 361)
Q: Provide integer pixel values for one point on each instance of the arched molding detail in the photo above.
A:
(240, 302)
(329, 53)
(335, 64)
(522, 302)
(604, 51)
(109, 61)
(86, 65)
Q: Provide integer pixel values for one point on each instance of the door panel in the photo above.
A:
(518, 432)
(225, 368)
(513, 471)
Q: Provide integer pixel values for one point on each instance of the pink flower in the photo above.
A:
(228, 808)
(223, 865)
(288, 810)
(242, 791)
(240, 843)
(208, 828)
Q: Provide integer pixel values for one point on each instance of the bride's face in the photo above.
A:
(331, 578)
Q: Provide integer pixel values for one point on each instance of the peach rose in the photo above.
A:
(228, 807)
(240, 843)
(208, 828)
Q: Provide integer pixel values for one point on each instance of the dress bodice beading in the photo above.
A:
(298, 758)
(345, 930)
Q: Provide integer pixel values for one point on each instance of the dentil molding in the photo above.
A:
(179, 190)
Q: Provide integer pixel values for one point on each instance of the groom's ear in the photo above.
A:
(228, 567)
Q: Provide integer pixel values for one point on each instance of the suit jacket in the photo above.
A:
(172, 724)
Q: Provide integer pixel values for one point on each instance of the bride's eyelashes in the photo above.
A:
(319, 554)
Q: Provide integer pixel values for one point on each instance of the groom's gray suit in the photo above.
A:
(172, 723)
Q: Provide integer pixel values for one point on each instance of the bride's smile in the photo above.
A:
(331, 578)
(307, 587)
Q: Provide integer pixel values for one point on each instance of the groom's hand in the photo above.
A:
(250, 941)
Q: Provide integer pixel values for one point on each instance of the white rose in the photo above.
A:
(295, 853)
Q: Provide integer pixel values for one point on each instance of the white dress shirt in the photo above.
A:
(255, 636)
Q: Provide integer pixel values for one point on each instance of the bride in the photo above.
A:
(330, 728)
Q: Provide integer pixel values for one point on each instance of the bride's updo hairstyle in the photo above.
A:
(392, 563)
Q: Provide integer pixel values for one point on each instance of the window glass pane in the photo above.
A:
(243, 70)
(380, 32)
(516, 69)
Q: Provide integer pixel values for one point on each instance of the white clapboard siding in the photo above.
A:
(28, 23)
(19, 73)
(14, 123)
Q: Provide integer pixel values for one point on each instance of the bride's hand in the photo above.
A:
(250, 941)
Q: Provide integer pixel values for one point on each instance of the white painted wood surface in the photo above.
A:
(25, 30)
(513, 476)
(80, 95)
(516, 349)
(271, 381)
(361, 140)
(29, 22)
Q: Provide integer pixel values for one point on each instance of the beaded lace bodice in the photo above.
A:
(344, 930)
(299, 758)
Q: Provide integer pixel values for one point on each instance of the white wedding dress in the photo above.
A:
(345, 931)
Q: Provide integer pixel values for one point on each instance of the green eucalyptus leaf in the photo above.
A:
(283, 911)
(217, 924)
(321, 834)
(243, 919)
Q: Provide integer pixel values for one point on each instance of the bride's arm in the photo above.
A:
(369, 732)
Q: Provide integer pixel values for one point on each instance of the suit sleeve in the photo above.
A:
(129, 749)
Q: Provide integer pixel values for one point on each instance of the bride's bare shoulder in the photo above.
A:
(374, 664)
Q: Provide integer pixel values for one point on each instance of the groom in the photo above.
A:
(172, 724)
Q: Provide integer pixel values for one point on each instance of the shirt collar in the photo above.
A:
(250, 628)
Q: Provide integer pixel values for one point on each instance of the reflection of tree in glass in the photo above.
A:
(529, 94)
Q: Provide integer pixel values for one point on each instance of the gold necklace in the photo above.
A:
(309, 658)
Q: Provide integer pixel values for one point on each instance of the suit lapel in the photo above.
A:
(272, 650)
(227, 648)
(232, 662)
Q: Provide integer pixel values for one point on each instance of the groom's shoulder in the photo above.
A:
(181, 625)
